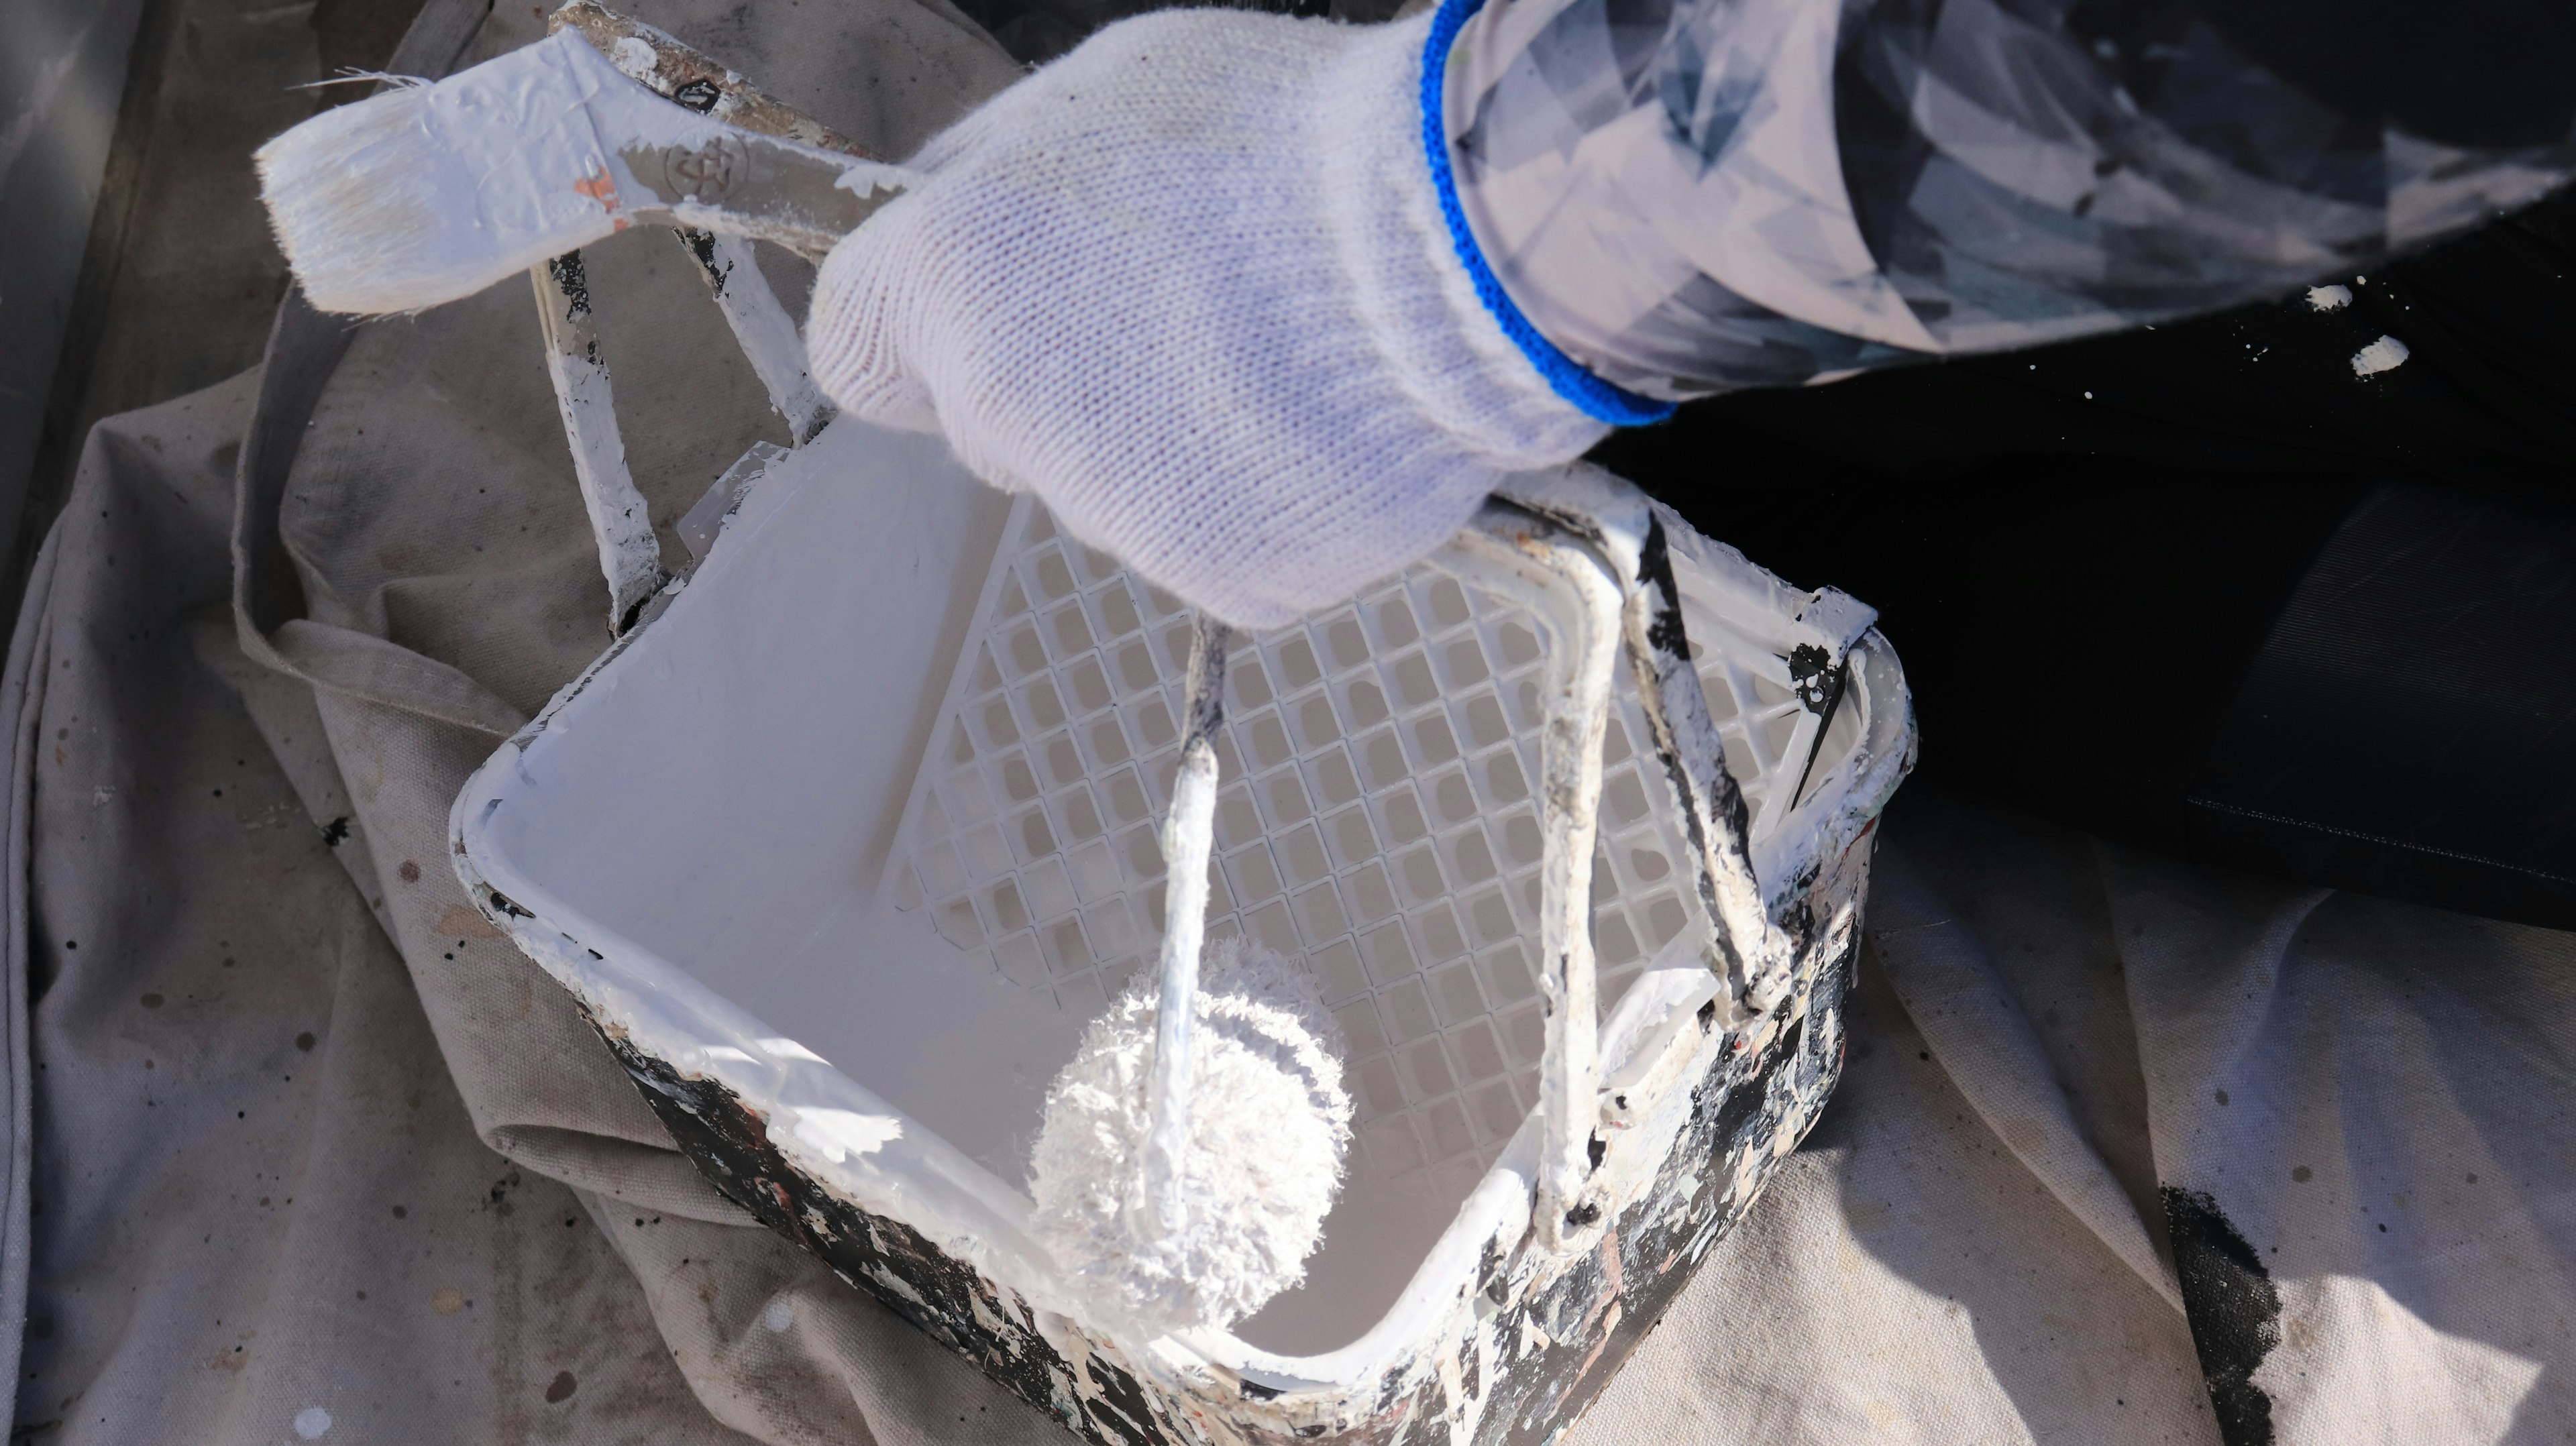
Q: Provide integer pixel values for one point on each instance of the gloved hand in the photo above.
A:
(1191, 284)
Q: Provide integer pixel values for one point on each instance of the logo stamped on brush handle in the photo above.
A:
(708, 173)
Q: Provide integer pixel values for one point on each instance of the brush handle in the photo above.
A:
(741, 183)
(780, 176)
(672, 69)
(1188, 839)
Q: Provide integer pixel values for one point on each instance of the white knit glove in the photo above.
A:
(1191, 284)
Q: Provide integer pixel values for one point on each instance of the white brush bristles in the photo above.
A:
(1269, 1126)
(425, 194)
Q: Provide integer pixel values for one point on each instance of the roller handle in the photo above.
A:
(1188, 838)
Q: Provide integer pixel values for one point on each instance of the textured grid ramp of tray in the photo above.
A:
(1376, 818)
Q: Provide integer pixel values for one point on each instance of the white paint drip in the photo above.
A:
(311, 1422)
(866, 181)
(2384, 355)
(836, 1135)
(897, 1284)
(2329, 298)
(778, 1317)
(635, 57)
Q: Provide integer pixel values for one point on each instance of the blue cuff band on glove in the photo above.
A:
(1598, 399)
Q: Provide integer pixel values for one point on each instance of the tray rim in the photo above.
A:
(844, 1136)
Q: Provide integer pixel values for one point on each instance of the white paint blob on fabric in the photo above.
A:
(778, 1317)
(2329, 298)
(1269, 1125)
(311, 1422)
(2384, 355)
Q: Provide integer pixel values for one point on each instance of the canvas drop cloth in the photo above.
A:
(305, 1152)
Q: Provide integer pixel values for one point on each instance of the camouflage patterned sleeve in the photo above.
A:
(1692, 196)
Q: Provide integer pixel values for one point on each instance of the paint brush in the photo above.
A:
(428, 193)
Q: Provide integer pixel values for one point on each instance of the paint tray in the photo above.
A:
(842, 845)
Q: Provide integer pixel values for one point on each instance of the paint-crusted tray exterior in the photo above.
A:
(1507, 1333)
(1556, 1343)
(1521, 1353)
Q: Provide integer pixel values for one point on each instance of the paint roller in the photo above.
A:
(1188, 1156)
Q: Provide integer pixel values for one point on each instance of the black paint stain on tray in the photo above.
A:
(1587, 1318)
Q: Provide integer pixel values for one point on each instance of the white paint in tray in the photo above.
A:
(734, 811)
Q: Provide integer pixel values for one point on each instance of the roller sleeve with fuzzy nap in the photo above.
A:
(1268, 1126)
